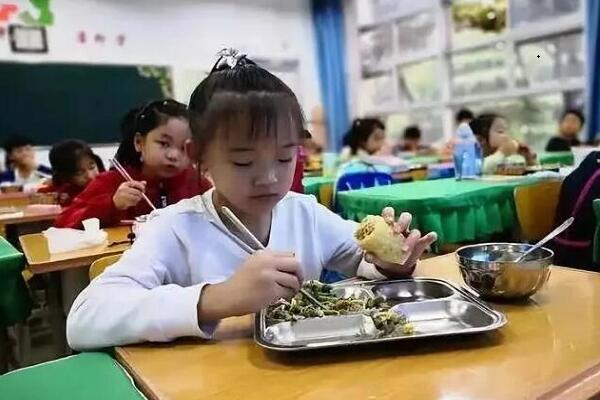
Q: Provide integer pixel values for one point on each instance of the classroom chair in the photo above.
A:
(536, 208)
(101, 264)
(596, 249)
(326, 195)
(359, 180)
(45, 321)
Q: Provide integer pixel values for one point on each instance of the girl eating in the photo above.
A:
(491, 130)
(74, 166)
(183, 275)
(365, 138)
(153, 153)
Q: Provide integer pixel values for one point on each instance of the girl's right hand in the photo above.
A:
(129, 194)
(509, 146)
(265, 277)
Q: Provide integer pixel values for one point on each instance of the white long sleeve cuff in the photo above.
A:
(184, 321)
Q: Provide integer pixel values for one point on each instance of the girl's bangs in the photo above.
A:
(250, 117)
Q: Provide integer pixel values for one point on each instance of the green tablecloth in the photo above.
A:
(86, 376)
(312, 184)
(15, 304)
(556, 157)
(457, 210)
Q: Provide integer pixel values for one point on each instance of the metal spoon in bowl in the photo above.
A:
(546, 239)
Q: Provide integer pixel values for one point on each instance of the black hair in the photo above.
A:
(142, 120)
(412, 132)
(481, 127)
(12, 143)
(65, 157)
(239, 97)
(99, 162)
(576, 113)
(360, 131)
(464, 114)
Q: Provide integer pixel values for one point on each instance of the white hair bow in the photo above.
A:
(229, 57)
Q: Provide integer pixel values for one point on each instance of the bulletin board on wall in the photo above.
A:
(49, 102)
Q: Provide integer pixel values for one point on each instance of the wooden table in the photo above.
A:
(35, 248)
(550, 349)
(28, 215)
(14, 199)
(26, 219)
(458, 211)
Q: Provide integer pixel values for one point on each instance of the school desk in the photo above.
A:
(26, 219)
(28, 214)
(321, 187)
(35, 248)
(424, 160)
(88, 376)
(14, 199)
(548, 350)
(556, 157)
(457, 211)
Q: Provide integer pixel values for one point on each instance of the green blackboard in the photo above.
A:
(53, 102)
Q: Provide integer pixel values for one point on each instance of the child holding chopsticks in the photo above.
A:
(157, 171)
(192, 267)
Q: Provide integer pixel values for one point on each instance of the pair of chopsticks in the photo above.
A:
(128, 178)
(238, 224)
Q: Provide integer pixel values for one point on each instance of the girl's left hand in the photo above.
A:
(414, 245)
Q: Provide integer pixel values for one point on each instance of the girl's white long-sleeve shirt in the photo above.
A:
(152, 292)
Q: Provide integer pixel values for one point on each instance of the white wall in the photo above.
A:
(183, 34)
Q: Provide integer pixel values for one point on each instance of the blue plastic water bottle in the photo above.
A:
(468, 158)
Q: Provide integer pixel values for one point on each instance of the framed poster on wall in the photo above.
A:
(28, 39)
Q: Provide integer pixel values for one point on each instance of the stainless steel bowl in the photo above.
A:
(488, 269)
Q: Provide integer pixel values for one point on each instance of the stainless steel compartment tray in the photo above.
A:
(434, 307)
(415, 290)
(337, 329)
(447, 317)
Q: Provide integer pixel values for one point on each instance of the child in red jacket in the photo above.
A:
(153, 152)
(74, 166)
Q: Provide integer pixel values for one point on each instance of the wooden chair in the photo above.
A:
(536, 208)
(101, 264)
(326, 195)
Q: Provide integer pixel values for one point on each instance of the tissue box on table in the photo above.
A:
(61, 240)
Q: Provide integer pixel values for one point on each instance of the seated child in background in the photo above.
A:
(74, 166)
(412, 141)
(498, 147)
(445, 147)
(297, 185)
(569, 126)
(301, 162)
(365, 138)
(464, 115)
(153, 151)
(183, 275)
(21, 166)
(574, 247)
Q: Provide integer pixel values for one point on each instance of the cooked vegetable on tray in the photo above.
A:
(300, 307)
